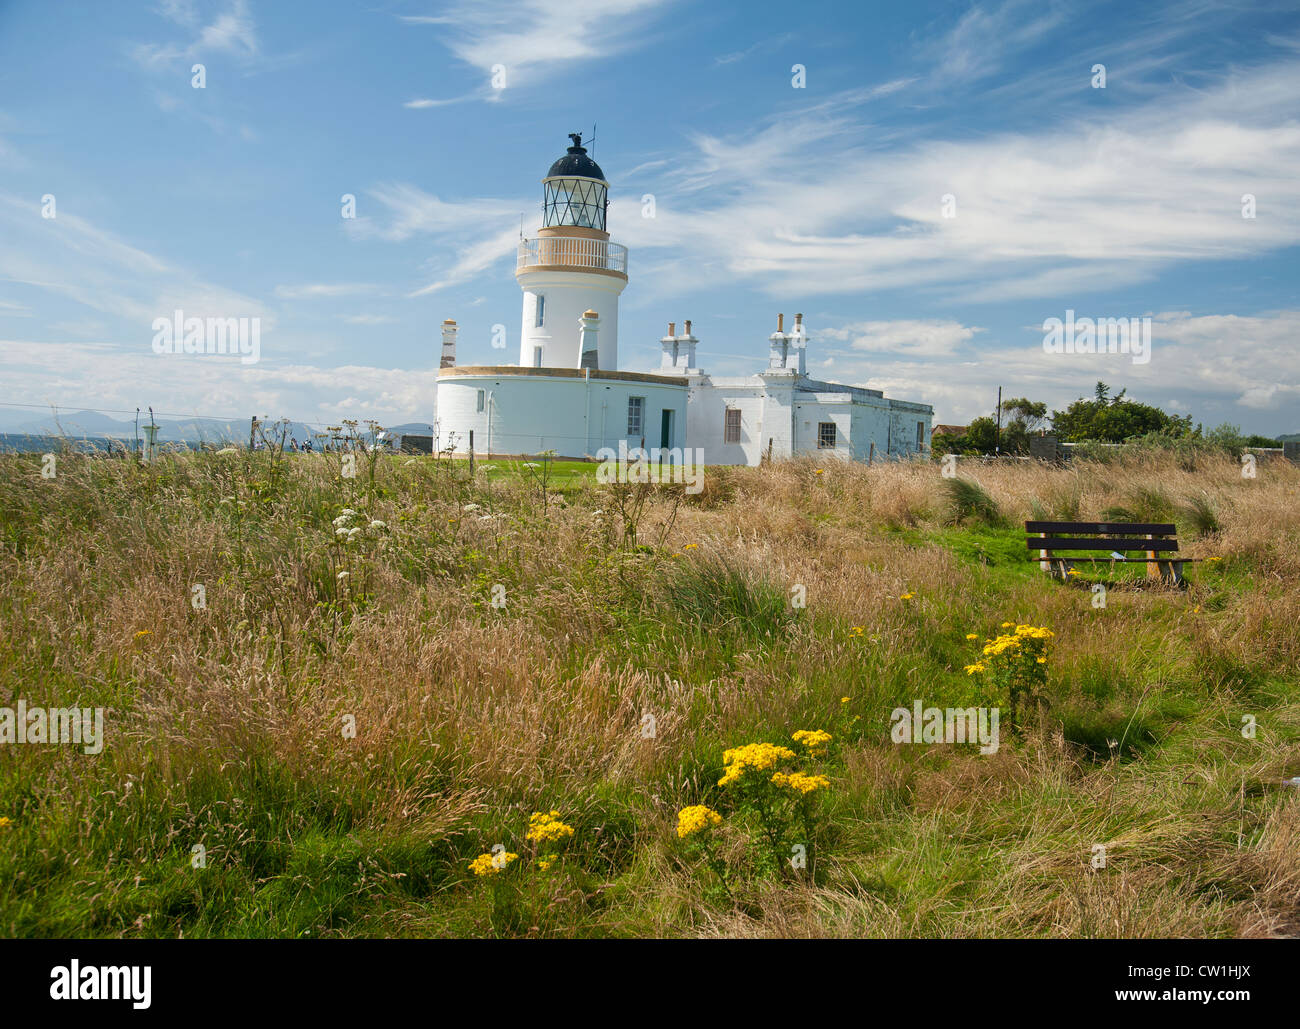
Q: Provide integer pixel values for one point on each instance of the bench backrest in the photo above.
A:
(1121, 537)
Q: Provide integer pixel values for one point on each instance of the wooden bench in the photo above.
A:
(1055, 542)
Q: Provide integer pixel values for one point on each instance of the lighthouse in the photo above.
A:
(568, 397)
(571, 272)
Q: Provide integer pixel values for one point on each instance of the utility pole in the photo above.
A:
(997, 446)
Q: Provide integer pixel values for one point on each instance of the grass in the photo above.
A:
(225, 724)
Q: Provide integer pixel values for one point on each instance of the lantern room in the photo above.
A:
(576, 190)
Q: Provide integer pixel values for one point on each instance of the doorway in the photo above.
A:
(666, 431)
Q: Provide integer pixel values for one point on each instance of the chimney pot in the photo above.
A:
(688, 328)
(798, 321)
(672, 328)
(780, 323)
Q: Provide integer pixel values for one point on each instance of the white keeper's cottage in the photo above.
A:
(568, 395)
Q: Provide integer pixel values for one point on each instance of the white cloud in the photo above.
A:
(933, 337)
(1059, 211)
(231, 32)
(324, 290)
(532, 38)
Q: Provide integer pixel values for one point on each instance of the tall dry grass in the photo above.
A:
(224, 724)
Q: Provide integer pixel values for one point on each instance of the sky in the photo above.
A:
(927, 183)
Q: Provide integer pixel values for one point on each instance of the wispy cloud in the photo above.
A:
(533, 38)
(324, 290)
(932, 337)
(231, 32)
(1057, 211)
(987, 36)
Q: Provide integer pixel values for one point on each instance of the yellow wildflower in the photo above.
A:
(490, 864)
(144, 632)
(972, 669)
(547, 828)
(695, 818)
(907, 596)
(813, 739)
(971, 636)
(844, 700)
(5, 821)
(801, 783)
(756, 756)
(690, 546)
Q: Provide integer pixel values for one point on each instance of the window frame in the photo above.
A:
(821, 436)
(539, 311)
(640, 407)
(730, 432)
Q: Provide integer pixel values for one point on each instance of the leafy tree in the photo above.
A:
(1113, 419)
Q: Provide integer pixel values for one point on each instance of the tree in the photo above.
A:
(1113, 419)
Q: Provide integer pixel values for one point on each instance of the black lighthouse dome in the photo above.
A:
(576, 163)
(576, 193)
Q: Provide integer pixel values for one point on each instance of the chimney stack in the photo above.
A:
(588, 326)
(448, 344)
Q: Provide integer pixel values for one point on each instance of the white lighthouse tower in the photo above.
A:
(571, 270)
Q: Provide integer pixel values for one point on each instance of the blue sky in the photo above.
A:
(226, 201)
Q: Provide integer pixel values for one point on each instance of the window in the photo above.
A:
(478, 405)
(635, 415)
(825, 435)
(541, 310)
(920, 434)
(731, 427)
(537, 357)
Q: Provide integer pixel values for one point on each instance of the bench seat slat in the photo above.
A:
(1054, 544)
(1118, 528)
(1108, 560)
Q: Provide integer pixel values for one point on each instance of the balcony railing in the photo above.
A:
(573, 252)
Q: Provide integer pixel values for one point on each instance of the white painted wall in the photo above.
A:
(568, 294)
(575, 417)
(774, 408)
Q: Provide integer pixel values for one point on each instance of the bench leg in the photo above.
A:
(1171, 572)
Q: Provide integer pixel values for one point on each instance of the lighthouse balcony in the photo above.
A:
(572, 253)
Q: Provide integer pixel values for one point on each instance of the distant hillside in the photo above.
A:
(189, 430)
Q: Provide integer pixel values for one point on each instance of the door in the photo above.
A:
(666, 431)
